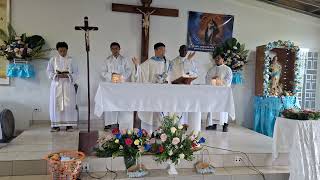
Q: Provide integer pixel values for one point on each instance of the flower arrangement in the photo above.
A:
(301, 114)
(21, 46)
(298, 64)
(171, 143)
(235, 54)
(127, 143)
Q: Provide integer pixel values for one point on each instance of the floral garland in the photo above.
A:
(301, 114)
(297, 66)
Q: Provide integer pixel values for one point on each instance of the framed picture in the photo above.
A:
(5, 16)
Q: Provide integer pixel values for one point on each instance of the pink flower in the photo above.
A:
(163, 137)
(192, 137)
(175, 141)
(152, 140)
(124, 131)
(136, 130)
(145, 133)
(128, 141)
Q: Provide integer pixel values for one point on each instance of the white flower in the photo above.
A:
(235, 47)
(181, 156)
(180, 127)
(175, 141)
(170, 153)
(173, 130)
(228, 51)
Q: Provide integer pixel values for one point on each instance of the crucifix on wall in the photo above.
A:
(146, 10)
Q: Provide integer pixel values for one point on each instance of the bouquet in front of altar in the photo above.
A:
(24, 47)
(129, 143)
(171, 143)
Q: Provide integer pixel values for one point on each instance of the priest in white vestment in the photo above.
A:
(153, 70)
(62, 72)
(219, 75)
(121, 66)
(185, 66)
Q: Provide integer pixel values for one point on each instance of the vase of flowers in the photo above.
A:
(171, 144)
(127, 143)
(235, 57)
(21, 46)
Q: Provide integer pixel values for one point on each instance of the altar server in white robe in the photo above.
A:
(62, 72)
(184, 65)
(220, 75)
(120, 65)
(153, 70)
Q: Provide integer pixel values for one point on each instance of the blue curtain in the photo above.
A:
(267, 109)
(20, 70)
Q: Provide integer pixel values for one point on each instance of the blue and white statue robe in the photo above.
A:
(122, 66)
(225, 74)
(181, 66)
(153, 70)
(62, 92)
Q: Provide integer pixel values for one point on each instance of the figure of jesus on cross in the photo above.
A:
(146, 10)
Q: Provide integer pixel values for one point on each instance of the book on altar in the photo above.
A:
(185, 79)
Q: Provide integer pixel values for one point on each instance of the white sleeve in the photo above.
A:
(127, 70)
(50, 69)
(106, 74)
(209, 76)
(228, 77)
(141, 73)
(75, 72)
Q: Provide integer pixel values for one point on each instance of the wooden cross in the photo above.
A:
(145, 10)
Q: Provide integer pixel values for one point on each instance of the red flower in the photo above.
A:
(161, 149)
(115, 131)
(194, 145)
(128, 141)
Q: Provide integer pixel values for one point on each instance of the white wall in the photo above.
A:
(256, 23)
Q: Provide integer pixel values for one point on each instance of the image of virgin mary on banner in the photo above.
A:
(207, 31)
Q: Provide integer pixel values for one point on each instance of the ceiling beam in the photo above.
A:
(295, 5)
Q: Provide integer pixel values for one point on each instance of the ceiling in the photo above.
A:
(310, 7)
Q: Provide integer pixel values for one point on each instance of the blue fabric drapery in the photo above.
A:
(267, 109)
(237, 77)
(20, 70)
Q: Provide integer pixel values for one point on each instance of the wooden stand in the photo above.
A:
(87, 141)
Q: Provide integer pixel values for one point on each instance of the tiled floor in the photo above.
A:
(24, 155)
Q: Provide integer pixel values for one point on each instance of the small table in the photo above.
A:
(301, 139)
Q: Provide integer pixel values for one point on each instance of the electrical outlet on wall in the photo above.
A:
(37, 109)
(85, 167)
(237, 160)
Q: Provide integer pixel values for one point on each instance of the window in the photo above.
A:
(310, 92)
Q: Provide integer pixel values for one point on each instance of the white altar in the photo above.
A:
(163, 98)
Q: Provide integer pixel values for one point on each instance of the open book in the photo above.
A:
(184, 80)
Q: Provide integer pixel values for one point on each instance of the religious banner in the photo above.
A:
(4, 19)
(207, 31)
